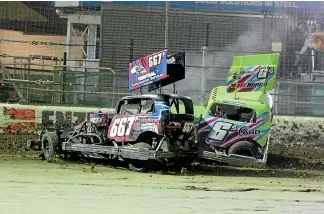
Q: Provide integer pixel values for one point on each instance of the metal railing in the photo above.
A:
(51, 81)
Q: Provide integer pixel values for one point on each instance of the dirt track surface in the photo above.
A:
(34, 186)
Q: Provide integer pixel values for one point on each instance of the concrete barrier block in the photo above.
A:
(15, 118)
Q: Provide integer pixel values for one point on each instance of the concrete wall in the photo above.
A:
(15, 118)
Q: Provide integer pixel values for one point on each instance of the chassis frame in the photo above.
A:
(144, 154)
(99, 150)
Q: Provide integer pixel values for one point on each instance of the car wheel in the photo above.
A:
(137, 165)
(50, 142)
(244, 148)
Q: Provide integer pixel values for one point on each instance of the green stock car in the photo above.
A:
(234, 126)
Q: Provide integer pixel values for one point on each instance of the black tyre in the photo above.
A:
(245, 148)
(137, 165)
(50, 142)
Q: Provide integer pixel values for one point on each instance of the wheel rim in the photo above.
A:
(135, 164)
(137, 167)
(132, 165)
(46, 147)
(116, 146)
(245, 152)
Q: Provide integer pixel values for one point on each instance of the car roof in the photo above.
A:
(219, 93)
(157, 97)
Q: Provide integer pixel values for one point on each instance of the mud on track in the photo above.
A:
(34, 186)
(14, 143)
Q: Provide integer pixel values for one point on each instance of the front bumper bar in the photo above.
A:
(232, 160)
(127, 152)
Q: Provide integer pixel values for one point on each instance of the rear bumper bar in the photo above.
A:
(33, 145)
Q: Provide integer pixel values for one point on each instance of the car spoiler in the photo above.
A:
(253, 73)
(156, 70)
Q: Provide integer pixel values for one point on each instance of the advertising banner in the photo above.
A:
(147, 70)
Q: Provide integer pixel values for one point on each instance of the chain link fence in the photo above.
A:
(32, 48)
(302, 97)
(52, 82)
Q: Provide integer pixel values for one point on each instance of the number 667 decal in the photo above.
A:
(122, 126)
(187, 127)
(220, 131)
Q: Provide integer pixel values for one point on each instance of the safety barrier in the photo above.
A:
(25, 119)
(16, 118)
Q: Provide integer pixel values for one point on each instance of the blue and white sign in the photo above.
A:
(243, 6)
(76, 3)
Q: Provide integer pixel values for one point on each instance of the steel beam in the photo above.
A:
(92, 40)
(17, 89)
(69, 39)
(94, 19)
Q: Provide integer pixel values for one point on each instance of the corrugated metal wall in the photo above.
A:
(131, 32)
(187, 31)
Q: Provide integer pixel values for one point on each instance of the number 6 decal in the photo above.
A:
(122, 126)
(263, 73)
(220, 131)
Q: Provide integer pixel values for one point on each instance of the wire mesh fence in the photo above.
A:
(58, 83)
(34, 44)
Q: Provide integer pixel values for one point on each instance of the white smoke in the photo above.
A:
(250, 42)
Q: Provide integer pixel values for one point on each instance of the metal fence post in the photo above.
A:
(166, 30)
(64, 76)
(276, 98)
(204, 49)
(113, 103)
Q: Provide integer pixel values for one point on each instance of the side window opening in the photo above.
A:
(129, 106)
(136, 106)
(147, 106)
(175, 105)
(181, 106)
(236, 113)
